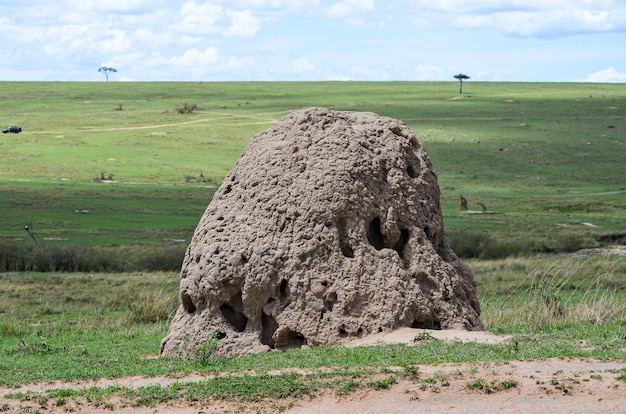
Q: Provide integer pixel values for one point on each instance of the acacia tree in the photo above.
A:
(461, 77)
(106, 71)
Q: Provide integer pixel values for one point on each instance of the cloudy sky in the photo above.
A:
(258, 40)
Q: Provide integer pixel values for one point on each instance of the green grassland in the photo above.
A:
(543, 157)
(115, 164)
(78, 326)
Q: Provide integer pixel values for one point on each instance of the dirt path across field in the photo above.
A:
(568, 386)
(219, 116)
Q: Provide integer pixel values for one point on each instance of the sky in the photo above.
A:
(314, 40)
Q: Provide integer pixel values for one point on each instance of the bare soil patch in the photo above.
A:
(551, 386)
(407, 335)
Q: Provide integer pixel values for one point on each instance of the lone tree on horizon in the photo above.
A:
(461, 77)
(106, 71)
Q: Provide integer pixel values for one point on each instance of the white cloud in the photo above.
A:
(196, 58)
(117, 42)
(242, 23)
(301, 65)
(144, 38)
(431, 73)
(112, 6)
(608, 75)
(552, 23)
(493, 6)
(66, 40)
(201, 16)
(524, 18)
(271, 4)
(347, 8)
(208, 18)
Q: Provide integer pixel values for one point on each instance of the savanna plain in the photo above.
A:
(101, 192)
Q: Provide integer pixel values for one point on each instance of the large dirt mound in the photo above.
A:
(328, 228)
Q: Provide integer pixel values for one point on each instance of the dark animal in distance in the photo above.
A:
(463, 203)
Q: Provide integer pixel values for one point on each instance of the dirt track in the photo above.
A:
(547, 386)
(551, 386)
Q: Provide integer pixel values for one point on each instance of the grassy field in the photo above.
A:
(76, 326)
(117, 164)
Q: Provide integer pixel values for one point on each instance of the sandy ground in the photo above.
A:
(547, 386)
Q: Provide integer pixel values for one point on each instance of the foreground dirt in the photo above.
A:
(548, 386)
(552, 386)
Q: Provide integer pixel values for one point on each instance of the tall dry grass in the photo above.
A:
(539, 293)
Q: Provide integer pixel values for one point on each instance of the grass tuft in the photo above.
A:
(151, 306)
(489, 387)
(382, 384)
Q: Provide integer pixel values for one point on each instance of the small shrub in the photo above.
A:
(507, 383)
(164, 259)
(499, 249)
(469, 245)
(382, 383)
(204, 352)
(13, 256)
(187, 108)
(98, 259)
(412, 371)
(423, 336)
(491, 386)
(570, 243)
(41, 259)
(201, 179)
(347, 387)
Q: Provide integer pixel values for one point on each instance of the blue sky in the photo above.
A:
(259, 40)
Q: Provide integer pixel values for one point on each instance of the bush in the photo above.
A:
(20, 257)
(568, 243)
(13, 256)
(471, 245)
(467, 244)
(164, 259)
(98, 259)
(500, 249)
(187, 108)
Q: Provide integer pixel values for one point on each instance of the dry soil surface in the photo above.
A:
(545, 386)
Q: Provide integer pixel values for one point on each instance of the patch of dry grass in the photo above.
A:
(540, 293)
